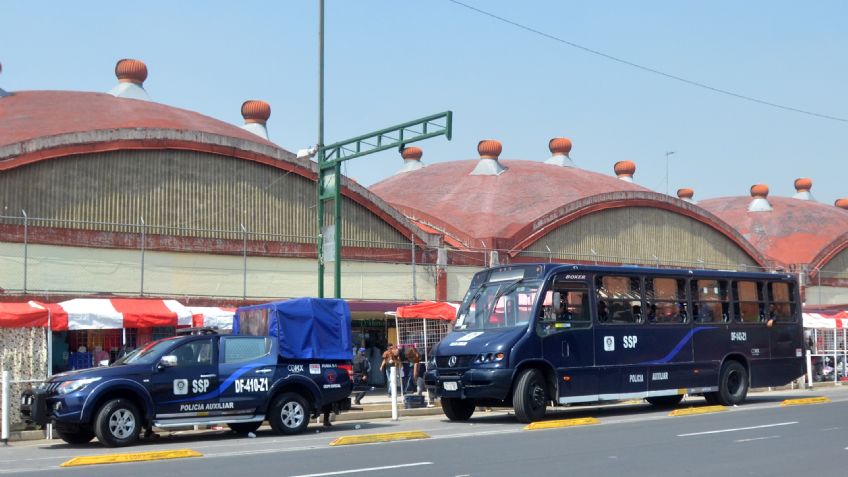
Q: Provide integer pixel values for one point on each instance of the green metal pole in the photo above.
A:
(320, 151)
(337, 213)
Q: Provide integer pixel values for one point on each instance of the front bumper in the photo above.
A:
(474, 383)
(41, 407)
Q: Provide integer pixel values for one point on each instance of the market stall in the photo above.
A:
(424, 324)
(826, 334)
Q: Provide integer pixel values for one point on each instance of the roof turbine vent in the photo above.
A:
(560, 147)
(131, 75)
(686, 195)
(411, 159)
(488, 165)
(625, 170)
(760, 202)
(842, 203)
(802, 189)
(2, 92)
(256, 113)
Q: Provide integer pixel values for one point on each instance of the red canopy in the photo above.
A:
(22, 315)
(434, 310)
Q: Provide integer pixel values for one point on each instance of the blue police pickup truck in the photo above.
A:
(284, 363)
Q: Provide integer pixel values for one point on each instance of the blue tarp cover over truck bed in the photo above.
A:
(306, 328)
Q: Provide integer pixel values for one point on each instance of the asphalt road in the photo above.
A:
(759, 438)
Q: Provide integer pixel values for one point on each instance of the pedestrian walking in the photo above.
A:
(391, 358)
(361, 368)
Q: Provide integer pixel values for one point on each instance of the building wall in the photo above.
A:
(86, 270)
(638, 234)
(824, 295)
(837, 266)
(176, 191)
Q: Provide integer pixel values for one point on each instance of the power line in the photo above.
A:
(648, 69)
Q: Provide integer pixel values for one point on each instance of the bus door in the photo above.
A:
(565, 329)
(621, 345)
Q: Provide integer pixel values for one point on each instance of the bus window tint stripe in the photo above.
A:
(680, 345)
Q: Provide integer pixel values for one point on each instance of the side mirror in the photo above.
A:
(168, 361)
(104, 362)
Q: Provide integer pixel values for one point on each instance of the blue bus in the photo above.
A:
(530, 336)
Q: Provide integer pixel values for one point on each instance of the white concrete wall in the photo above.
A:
(823, 295)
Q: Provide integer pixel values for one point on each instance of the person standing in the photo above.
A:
(361, 368)
(417, 379)
(391, 359)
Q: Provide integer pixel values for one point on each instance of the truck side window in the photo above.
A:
(241, 349)
(194, 353)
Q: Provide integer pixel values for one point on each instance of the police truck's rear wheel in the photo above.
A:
(665, 401)
(458, 409)
(117, 423)
(81, 436)
(289, 414)
(530, 397)
(733, 384)
(244, 427)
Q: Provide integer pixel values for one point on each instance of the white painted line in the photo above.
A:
(737, 429)
(757, 439)
(365, 469)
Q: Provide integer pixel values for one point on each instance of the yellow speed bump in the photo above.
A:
(387, 437)
(583, 421)
(697, 410)
(137, 457)
(802, 401)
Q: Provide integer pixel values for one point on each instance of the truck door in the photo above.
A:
(189, 387)
(565, 329)
(246, 371)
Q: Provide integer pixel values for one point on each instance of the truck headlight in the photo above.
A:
(75, 385)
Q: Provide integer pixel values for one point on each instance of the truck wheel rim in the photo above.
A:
(292, 414)
(122, 423)
(537, 396)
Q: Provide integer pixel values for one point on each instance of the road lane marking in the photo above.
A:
(689, 411)
(365, 469)
(764, 426)
(386, 437)
(757, 439)
(803, 401)
(135, 457)
(555, 424)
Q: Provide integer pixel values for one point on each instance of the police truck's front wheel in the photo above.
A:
(458, 409)
(289, 414)
(530, 398)
(117, 423)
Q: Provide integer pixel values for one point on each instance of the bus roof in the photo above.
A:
(541, 270)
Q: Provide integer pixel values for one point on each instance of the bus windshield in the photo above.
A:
(494, 305)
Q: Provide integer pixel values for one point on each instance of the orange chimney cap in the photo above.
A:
(489, 149)
(129, 70)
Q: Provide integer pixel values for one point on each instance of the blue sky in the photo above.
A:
(392, 61)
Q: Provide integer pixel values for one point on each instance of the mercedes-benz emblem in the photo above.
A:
(452, 361)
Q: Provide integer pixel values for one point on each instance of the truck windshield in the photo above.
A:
(146, 355)
(498, 305)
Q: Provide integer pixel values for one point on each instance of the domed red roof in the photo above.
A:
(30, 115)
(484, 206)
(794, 231)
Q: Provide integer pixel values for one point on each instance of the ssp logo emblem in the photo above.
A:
(180, 386)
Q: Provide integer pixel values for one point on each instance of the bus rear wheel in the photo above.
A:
(530, 398)
(733, 384)
(665, 401)
(458, 409)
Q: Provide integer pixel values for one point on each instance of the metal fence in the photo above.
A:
(147, 259)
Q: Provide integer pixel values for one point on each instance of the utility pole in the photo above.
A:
(330, 159)
(667, 153)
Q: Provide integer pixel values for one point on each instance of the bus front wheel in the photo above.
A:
(733, 384)
(530, 398)
(458, 409)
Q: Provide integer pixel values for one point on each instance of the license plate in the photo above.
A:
(450, 385)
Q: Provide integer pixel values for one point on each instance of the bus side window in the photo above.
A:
(781, 303)
(710, 301)
(564, 307)
(748, 302)
(666, 300)
(619, 299)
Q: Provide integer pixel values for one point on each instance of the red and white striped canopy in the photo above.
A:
(221, 318)
(116, 313)
(820, 320)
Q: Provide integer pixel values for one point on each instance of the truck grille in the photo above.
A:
(462, 361)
